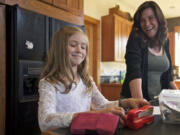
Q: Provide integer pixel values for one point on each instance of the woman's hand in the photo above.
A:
(133, 103)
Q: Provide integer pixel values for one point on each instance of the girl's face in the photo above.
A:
(149, 23)
(77, 45)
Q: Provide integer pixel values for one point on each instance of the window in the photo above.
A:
(177, 50)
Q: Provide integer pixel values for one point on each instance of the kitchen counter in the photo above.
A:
(158, 127)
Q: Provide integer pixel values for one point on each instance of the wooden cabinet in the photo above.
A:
(66, 10)
(111, 91)
(2, 69)
(48, 1)
(178, 84)
(73, 6)
(115, 33)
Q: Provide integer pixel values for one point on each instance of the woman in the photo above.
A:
(66, 89)
(147, 54)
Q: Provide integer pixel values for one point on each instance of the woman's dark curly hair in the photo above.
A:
(162, 32)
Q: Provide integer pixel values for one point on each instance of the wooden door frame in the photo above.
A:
(2, 69)
(96, 48)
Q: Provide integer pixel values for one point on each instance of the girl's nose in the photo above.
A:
(78, 48)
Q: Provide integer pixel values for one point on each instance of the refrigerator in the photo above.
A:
(27, 44)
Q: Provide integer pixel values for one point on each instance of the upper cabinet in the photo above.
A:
(48, 1)
(73, 6)
(115, 33)
(66, 10)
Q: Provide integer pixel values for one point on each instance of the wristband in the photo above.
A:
(120, 103)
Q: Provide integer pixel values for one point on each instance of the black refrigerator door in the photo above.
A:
(57, 24)
(32, 35)
(27, 44)
(28, 38)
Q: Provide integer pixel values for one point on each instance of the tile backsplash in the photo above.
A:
(112, 68)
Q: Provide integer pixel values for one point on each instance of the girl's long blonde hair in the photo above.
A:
(58, 66)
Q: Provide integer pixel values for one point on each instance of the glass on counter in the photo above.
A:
(169, 102)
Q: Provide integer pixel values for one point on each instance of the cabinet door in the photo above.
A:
(115, 33)
(122, 31)
(76, 6)
(118, 39)
(61, 4)
(73, 6)
(108, 33)
(47, 1)
(111, 91)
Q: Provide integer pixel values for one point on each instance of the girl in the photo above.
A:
(65, 88)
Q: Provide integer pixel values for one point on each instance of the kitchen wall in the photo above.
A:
(96, 9)
(112, 68)
(172, 22)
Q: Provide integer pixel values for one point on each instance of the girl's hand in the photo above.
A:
(118, 111)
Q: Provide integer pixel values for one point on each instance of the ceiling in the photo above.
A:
(170, 8)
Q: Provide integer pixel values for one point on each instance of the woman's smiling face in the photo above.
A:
(149, 23)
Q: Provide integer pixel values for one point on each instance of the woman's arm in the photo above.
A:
(135, 88)
(172, 85)
(134, 55)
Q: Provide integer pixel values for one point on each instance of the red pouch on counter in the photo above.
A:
(138, 117)
(96, 123)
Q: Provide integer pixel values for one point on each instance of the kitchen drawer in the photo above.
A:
(111, 91)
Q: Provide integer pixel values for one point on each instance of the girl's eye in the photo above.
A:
(83, 46)
(73, 43)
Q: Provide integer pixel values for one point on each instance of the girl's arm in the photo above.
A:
(47, 116)
(99, 102)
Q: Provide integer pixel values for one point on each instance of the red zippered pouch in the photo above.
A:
(96, 123)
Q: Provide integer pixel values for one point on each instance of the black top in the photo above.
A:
(137, 66)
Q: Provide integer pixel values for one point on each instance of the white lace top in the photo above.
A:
(56, 109)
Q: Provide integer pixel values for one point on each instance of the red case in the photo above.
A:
(138, 117)
(102, 123)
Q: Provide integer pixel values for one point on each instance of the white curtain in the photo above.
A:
(177, 50)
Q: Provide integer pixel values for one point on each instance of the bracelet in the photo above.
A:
(120, 103)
